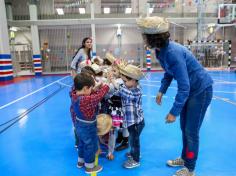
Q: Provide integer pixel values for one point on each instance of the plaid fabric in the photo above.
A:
(131, 105)
(88, 103)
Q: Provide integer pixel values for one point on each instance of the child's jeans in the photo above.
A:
(134, 133)
(76, 138)
(88, 142)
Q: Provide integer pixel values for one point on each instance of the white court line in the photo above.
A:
(8, 104)
(224, 82)
(216, 81)
(214, 98)
(147, 76)
(67, 85)
(215, 91)
(225, 100)
(158, 86)
(149, 81)
(218, 91)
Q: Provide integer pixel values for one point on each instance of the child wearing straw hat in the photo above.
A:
(131, 97)
(85, 102)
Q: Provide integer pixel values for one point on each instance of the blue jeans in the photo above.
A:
(134, 133)
(88, 141)
(191, 119)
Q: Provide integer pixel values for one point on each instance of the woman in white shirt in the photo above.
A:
(82, 56)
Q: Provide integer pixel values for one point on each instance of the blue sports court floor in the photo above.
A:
(36, 134)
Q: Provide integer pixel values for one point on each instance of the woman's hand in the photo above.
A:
(170, 118)
(159, 98)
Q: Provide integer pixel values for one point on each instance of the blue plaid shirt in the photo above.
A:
(131, 105)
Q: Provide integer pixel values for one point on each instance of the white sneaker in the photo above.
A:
(130, 163)
(176, 162)
(184, 172)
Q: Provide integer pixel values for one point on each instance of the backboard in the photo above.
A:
(226, 13)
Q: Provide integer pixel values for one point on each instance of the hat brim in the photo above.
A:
(138, 76)
(103, 119)
(110, 57)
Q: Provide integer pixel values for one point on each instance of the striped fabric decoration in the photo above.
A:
(216, 41)
(148, 60)
(6, 70)
(37, 64)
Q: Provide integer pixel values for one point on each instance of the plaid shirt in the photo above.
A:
(131, 105)
(88, 103)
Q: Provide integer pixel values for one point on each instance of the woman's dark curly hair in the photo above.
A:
(156, 40)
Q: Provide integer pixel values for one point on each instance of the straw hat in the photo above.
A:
(153, 25)
(132, 71)
(110, 57)
(98, 58)
(96, 68)
(104, 124)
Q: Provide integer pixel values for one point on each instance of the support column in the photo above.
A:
(46, 7)
(35, 41)
(97, 4)
(142, 6)
(134, 6)
(199, 20)
(6, 70)
(93, 31)
(9, 11)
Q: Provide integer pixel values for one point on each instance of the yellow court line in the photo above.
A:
(96, 163)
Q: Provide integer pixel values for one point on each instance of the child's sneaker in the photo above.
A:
(184, 172)
(130, 163)
(80, 165)
(95, 169)
(175, 162)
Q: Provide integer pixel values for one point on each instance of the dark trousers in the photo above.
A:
(191, 119)
(134, 133)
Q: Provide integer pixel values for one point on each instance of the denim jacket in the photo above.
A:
(180, 64)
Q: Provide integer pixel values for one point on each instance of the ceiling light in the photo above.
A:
(15, 29)
(128, 10)
(60, 11)
(82, 10)
(151, 9)
(106, 10)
